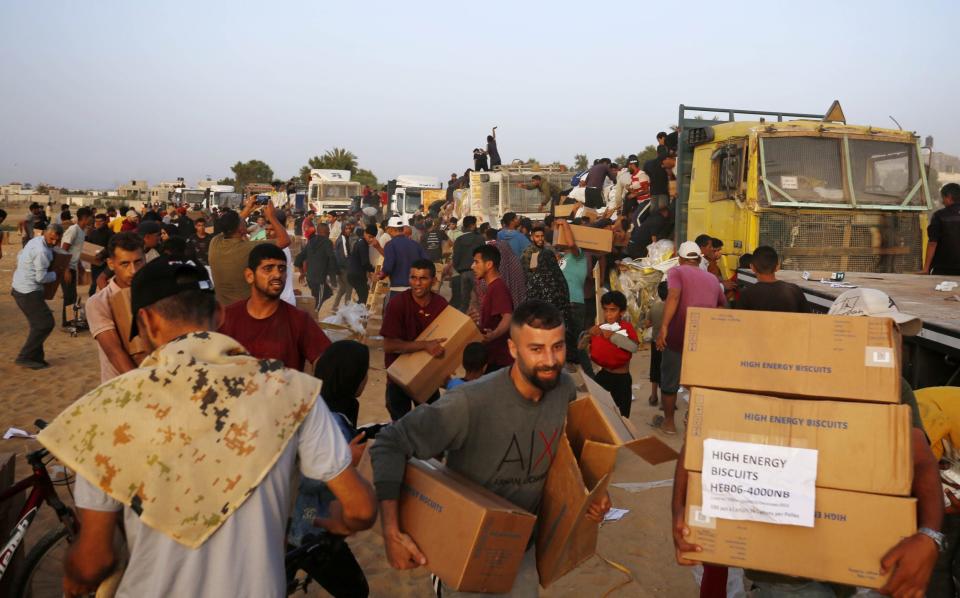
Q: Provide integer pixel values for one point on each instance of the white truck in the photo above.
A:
(331, 190)
(407, 197)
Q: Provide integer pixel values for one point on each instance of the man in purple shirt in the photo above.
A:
(593, 196)
(687, 286)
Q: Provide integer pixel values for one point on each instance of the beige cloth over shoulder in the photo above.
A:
(184, 439)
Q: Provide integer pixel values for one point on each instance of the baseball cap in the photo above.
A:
(876, 304)
(131, 213)
(162, 278)
(395, 222)
(689, 250)
(632, 159)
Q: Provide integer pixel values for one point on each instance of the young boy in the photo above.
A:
(474, 364)
(770, 294)
(611, 347)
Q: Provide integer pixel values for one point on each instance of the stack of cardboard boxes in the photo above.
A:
(764, 380)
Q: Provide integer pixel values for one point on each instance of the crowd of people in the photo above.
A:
(213, 344)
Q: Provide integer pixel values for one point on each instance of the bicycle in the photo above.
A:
(48, 552)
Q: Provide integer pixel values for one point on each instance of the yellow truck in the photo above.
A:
(826, 195)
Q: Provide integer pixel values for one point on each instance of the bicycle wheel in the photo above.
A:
(42, 573)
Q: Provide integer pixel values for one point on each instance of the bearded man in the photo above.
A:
(267, 326)
(499, 431)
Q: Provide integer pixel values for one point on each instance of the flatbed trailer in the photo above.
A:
(932, 358)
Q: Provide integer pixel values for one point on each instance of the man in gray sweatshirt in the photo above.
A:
(501, 431)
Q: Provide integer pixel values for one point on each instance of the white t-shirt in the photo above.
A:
(75, 237)
(245, 557)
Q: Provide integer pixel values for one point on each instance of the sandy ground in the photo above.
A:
(640, 542)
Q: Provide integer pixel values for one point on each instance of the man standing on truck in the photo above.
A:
(546, 189)
(656, 170)
(596, 177)
(492, 150)
(943, 234)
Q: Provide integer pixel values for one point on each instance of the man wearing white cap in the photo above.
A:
(398, 255)
(687, 286)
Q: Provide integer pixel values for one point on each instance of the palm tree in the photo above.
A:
(580, 162)
(340, 159)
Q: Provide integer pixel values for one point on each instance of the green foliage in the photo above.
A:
(648, 153)
(229, 181)
(252, 171)
(339, 159)
(580, 162)
(621, 160)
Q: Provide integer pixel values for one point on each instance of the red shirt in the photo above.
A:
(384, 198)
(404, 319)
(609, 356)
(290, 334)
(496, 302)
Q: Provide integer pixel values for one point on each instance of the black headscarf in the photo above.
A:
(342, 368)
(547, 283)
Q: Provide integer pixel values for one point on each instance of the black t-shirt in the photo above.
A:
(654, 225)
(659, 179)
(493, 153)
(774, 296)
(944, 229)
(432, 243)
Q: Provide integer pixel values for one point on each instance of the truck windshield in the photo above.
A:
(332, 191)
(412, 201)
(800, 170)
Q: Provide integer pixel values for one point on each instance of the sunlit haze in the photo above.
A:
(96, 93)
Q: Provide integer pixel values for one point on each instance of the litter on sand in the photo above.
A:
(17, 433)
(641, 486)
(615, 514)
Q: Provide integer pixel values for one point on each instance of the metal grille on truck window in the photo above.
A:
(867, 241)
(806, 168)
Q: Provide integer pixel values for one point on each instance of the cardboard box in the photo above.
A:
(579, 475)
(473, 539)
(810, 355)
(421, 374)
(861, 447)
(587, 238)
(59, 263)
(90, 252)
(121, 306)
(845, 544)
(565, 210)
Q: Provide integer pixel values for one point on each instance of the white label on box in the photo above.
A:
(759, 482)
(789, 182)
(879, 357)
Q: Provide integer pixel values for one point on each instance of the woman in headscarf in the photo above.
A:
(547, 283)
(343, 369)
(511, 271)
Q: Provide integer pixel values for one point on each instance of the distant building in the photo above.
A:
(137, 189)
(163, 192)
(11, 189)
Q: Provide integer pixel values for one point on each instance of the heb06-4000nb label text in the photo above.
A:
(759, 482)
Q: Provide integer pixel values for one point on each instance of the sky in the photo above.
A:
(96, 93)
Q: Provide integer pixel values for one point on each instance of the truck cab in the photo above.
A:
(331, 190)
(406, 198)
(826, 195)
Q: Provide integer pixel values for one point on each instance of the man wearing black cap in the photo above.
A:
(149, 231)
(202, 444)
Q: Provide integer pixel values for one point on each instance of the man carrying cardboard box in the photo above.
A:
(408, 314)
(124, 258)
(912, 560)
(499, 431)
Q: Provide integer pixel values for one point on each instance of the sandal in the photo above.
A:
(657, 423)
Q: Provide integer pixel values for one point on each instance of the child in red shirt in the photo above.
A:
(612, 350)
